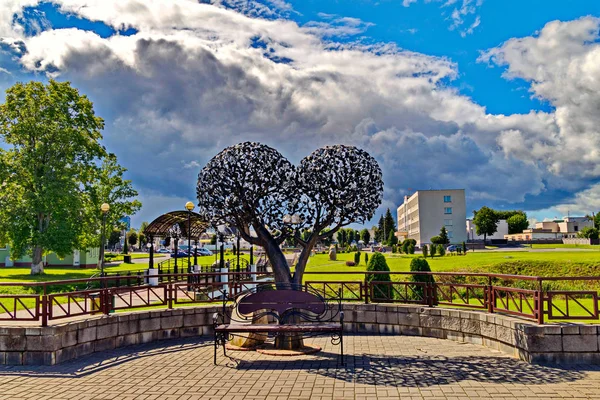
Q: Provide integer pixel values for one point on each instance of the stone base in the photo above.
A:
(270, 350)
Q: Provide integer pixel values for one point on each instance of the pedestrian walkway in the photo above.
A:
(378, 367)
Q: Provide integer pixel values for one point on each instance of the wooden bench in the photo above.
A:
(294, 309)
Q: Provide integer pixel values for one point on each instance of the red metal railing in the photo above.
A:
(531, 297)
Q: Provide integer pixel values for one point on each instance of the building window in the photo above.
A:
(447, 222)
(448, 210)
(447, 199)
(450, 235)
(576, 228)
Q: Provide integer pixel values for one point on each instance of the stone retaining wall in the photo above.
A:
(525, 340)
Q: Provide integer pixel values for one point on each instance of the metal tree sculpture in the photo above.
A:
(254, 188)
(251, 186)
(340, 185)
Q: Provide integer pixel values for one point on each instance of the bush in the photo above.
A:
(432, 250)
(411, 249)
(420, 265)
(424, 250)
(437, 240)
(464, 246)
(441, 250)
(366, 258)
(405, 245)
(350, 263)
(459, 251)
(379, 263)
(357, 258)
(394, 249)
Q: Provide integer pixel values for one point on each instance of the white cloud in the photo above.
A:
(198, 77)
(461, 12)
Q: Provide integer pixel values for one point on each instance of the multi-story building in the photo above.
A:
(568, 227)
(423, 214)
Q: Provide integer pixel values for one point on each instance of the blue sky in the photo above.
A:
(494, 96)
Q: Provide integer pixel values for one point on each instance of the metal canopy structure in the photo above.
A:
(162, 226)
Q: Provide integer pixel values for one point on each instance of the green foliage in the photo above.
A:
(517, 223)
(464, 247)
(486, 222)
(411, 248)
(392, 239)
(444, 236)
(55, 172)
(132, 237)
(114, 238)
(436, 240)
(390, 227)
(405, 245)
(366, 258)
(459, 251)
(433, 250)
(420, 265)
(365, 236)
(213, 239)
(379, 263)
(424, 249)
(588, 233)
(441, 250)
(379, 233)
(357, 258)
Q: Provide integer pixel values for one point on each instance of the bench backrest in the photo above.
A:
(281, 301)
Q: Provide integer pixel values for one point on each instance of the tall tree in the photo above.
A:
(380, 232)
(132, 237)
(365, 236)
(114, 238)
(52, 135)
(444, 236)
(486, 222)
(389, 225)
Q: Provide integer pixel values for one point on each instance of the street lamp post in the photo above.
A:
(104, 208)
(189, 206)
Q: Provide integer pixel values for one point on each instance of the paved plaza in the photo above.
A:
(378, 367)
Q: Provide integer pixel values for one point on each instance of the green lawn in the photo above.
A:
(112, 257)
(565, 246)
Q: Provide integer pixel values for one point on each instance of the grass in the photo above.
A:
(566, 246)
(112, 257)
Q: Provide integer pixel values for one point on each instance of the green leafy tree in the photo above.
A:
(365, 236)
(357, 258)
(392, 239)
(486, 222)
(433, 250)
(379, 263)
(436, 240)
(52, 154)
(441, 250)
(444, 236)
(114, 238)
(411, 248)
(342, 237)
(588, 233)
(405, 245)
(366, 258)
(424, 249)
(132, 237)
(517, 223)
(325, 238)
(142, 239)
(380, 232)
(420, 265)
(350, 235)
(464, 247)
(389, 226)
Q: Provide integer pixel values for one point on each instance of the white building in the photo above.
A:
(568, 227)
(423, 214)
(501, 231)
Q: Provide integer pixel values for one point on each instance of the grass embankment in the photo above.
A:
(565, 246)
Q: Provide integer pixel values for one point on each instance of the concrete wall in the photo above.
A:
(516, 337)
(432, 216)
(580, 241)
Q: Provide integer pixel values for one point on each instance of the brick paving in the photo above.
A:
(378, 367)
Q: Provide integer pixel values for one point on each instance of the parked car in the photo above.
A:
(452, 248)
(179, 254)
(204, 252)
(163, 251)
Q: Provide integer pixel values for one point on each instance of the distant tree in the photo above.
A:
(167, 241)
(366, 258)
(379, 263)
(132, 237)
(357, 258)
(380, 232)
(114, 238)
(342, 237)
(444, 236)
(436, 240)
(517, 223)
(350, 235)
(441, 250)
(392, 239)
(424, 250)
(588, 233)
(365, 236)
(433, 250)
(464, 246)
(325, 237)
(389, 226)
(486, 222)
